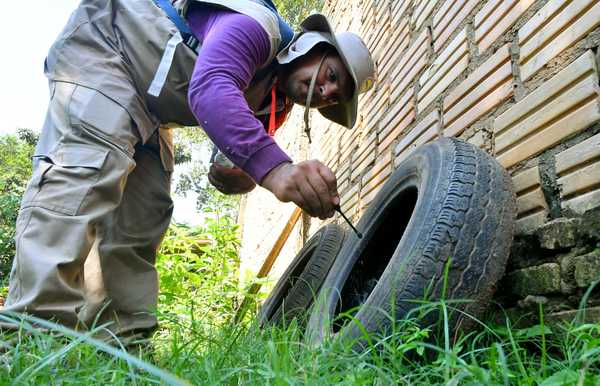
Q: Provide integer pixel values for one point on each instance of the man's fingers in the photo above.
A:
(309, 184)
(331, 182)
(309, 196)
(322, 191)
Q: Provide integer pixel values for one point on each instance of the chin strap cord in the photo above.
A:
(311, 89)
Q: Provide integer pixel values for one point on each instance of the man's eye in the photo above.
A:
(332, 77)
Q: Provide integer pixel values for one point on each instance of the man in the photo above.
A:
(98, 204)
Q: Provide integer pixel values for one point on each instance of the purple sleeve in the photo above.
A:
(233, 48)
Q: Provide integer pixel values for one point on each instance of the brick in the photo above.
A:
(426, 130)
(587, 268)
(539, 280)
(344, 168)
(485, 105)
(399, 42)
(479, 93)
(360, 168)
(423, 9)
(377, 179)
(552, 134)
(396, 112)
(396, 131)
(381, 39)
(582, 203)
(579, 154)
(580, 180)
(349, 199)
(344, 186)
(495, 18)
(369, 21)
(451, 62)
(449, 17)
(497, 60)
(531, 201)
(382, 162)
(367, 145)
(347, 146)
(377, 105)
(366, 101)
(368, 198)
(526, 180)
(562, 106)
(410, 65)
(347, 150)
(395, 121)
(553, 29)
(530, 223)
(582, 66)
(399, 7)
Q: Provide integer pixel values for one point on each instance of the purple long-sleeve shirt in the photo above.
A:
(233, 47)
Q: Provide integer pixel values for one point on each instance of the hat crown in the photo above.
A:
(359, 58)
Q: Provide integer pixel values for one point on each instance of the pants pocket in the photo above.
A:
(64, 177)
(103, 118)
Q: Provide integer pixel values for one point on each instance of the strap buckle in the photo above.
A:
(191, 41)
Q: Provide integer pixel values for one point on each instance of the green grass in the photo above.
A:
(198, 344)
(192, 349)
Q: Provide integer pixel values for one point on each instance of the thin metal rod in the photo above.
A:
(339, 210)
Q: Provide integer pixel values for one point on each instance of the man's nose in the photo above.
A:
(328, 91)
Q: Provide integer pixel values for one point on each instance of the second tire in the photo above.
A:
(298, 286)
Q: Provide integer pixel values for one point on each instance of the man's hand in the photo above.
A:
(310, 184)
(230, 180)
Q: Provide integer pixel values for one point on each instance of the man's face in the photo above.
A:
(333, 84)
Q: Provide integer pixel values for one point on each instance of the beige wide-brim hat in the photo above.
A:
(354, 54)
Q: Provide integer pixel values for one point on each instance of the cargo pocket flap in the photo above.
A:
(78, 156)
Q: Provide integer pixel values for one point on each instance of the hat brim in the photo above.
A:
(343, 113)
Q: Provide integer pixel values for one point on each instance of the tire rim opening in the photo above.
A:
(375, 255)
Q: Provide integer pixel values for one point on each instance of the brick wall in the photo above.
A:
(518, 78)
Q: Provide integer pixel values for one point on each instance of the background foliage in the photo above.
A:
(294, 11)
(198, 268)
(192, 153)
(15, 169)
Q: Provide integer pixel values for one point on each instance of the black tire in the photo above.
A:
(297, 288)
(448, 199)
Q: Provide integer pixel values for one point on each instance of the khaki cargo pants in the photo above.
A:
(91, 219)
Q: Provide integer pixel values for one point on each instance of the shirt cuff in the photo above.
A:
(264, 160)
